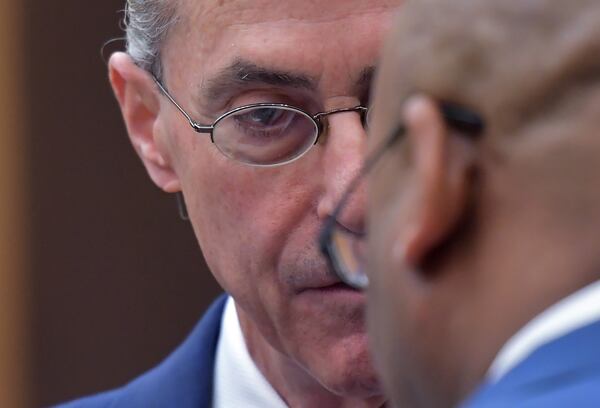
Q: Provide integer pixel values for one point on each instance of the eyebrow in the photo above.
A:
(243, 74)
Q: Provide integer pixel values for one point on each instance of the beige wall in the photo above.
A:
(13, 289)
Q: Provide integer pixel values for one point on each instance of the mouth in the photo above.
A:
(336, 293)
(336, 287)
(323, 282)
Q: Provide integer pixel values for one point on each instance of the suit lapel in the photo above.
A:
(185, 378)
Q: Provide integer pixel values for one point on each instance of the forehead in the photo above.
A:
(279, 34)
(250, 11)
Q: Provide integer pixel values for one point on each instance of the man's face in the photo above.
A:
(257, 227)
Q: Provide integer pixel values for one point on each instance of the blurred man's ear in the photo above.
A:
(441, 160)
(136, 93)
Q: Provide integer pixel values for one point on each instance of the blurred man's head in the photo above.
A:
(470, 237)
(257, 225)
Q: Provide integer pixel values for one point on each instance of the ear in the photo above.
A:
(136, 93)
(441, 160)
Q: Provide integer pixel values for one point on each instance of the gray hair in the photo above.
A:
(146, 25)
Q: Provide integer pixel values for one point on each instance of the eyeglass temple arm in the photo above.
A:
(396, 134)
(195, 125)
(455, 115)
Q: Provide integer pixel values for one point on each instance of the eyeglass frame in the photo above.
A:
(469, 123)
(316, 118)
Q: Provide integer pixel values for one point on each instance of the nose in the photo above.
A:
(342, 160)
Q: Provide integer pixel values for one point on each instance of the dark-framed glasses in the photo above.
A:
(345, 249)
(264, 134)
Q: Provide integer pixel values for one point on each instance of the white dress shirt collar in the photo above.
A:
(238, 381)
(569, 314)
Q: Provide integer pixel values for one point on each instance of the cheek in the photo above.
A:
(389, 299)
(382, 328)
(380, 290)
(243, 217)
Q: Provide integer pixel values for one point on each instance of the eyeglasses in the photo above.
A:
(265, 134)
(345, 249)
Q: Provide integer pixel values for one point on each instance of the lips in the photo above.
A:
(325, 280)
(346, 300)
(336, 287)
(329, 285)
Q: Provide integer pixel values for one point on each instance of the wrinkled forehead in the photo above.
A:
(209, 20)
(211, 28)
(505, 59)
(221, 12)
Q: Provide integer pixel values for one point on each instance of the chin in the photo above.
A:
(347, 370)
(357, 387)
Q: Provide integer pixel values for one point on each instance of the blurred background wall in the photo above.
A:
(14, 295)
(99, 278)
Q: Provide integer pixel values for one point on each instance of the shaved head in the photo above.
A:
(510, 58)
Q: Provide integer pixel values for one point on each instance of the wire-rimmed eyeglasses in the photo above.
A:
(265, 134)
(345, 249)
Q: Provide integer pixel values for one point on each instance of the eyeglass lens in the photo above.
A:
(350, 254)
(265, 135)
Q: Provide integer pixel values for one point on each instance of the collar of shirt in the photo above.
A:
(238, 381)
(571, 313)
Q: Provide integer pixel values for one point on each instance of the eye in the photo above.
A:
(265, 134)
(263, 117)
(265, 122)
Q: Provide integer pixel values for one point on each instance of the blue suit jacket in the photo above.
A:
(564, 373)
(183, 380)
